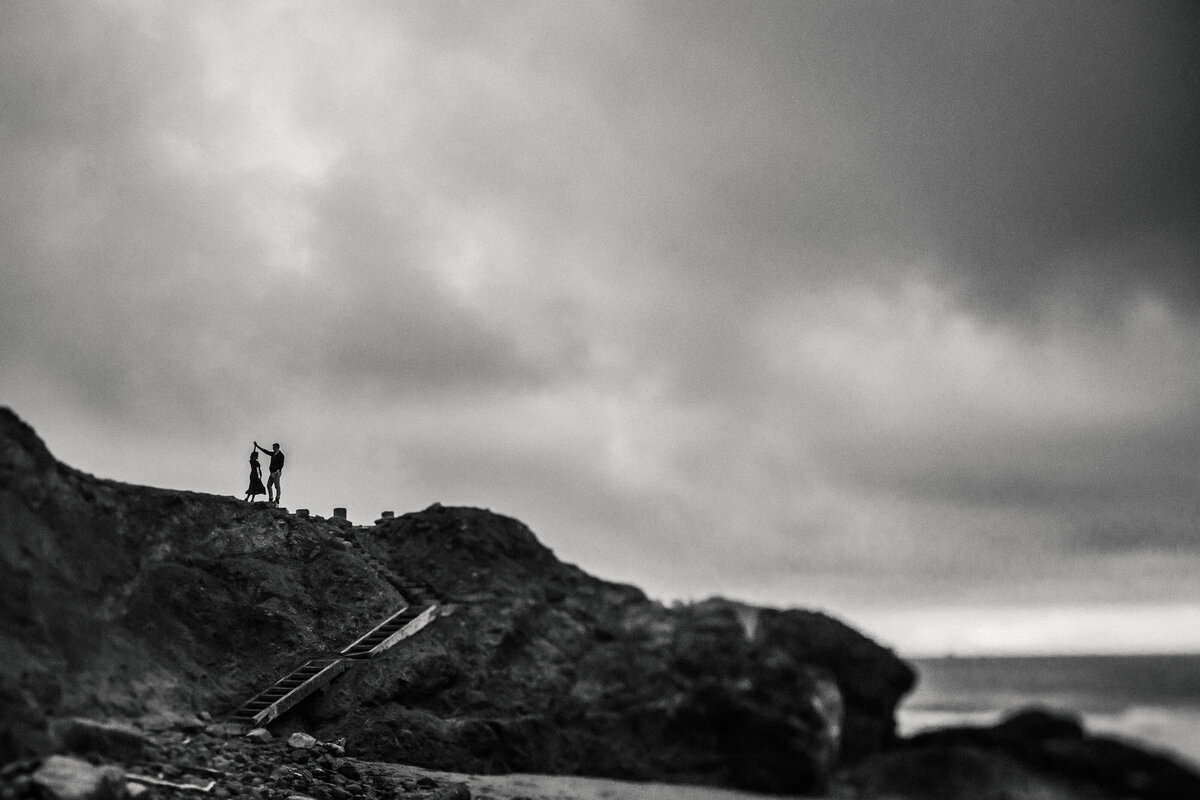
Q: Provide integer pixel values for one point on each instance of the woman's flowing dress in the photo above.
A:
(256, 484)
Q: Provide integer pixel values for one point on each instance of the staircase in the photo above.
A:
(391, 631)
(420, 608)
(413, 591)
(289, 690)
(316, 673)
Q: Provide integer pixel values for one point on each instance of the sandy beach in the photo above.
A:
(566, 787)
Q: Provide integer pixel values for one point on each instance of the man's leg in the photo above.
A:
(273, 483)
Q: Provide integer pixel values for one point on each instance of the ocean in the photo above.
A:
(1152, 701)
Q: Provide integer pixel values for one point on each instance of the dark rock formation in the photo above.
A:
(128, 602)
(121, 601)
(541, 667)
(1033, 753)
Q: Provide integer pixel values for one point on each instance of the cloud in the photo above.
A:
(1128, 628)
(811, 303)
(1050, 148)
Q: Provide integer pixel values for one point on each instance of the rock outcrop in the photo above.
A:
(131, 602)
(122, 601)
(542, 667)
(1033, 753)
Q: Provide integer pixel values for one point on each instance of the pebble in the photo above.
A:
(261, 735)
(301, 741)
(248, 770)
(455, 791)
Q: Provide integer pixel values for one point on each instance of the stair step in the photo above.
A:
(293, 687)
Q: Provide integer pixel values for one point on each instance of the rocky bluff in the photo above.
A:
(133, 602)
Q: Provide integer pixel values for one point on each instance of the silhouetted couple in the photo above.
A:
(276, 469)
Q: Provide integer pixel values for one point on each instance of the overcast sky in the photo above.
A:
(888, 309)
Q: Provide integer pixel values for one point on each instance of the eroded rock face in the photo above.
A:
(120, 600)
(543, 668)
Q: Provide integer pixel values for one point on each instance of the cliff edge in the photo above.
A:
(135, 603)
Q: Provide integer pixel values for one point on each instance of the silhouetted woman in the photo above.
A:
(256, 484)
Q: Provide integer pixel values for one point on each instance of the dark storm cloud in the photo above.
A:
(1152, 463)
(1050, 146)
(1034, 151)
(745, 287)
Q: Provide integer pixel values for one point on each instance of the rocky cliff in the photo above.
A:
(133, 602)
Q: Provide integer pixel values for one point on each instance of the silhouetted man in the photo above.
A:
(276, 469)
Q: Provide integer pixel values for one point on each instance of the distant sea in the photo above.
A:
(1151, 701)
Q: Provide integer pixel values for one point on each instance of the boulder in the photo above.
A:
(109, 739)
(66, 778)
(301, 741)
(260, 735)
(1032, 753)
(1037, 724)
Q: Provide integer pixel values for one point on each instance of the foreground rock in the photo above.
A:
(190, 766)
(64, 778)
(167, 600)
(1033, 754)
(109, 739)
